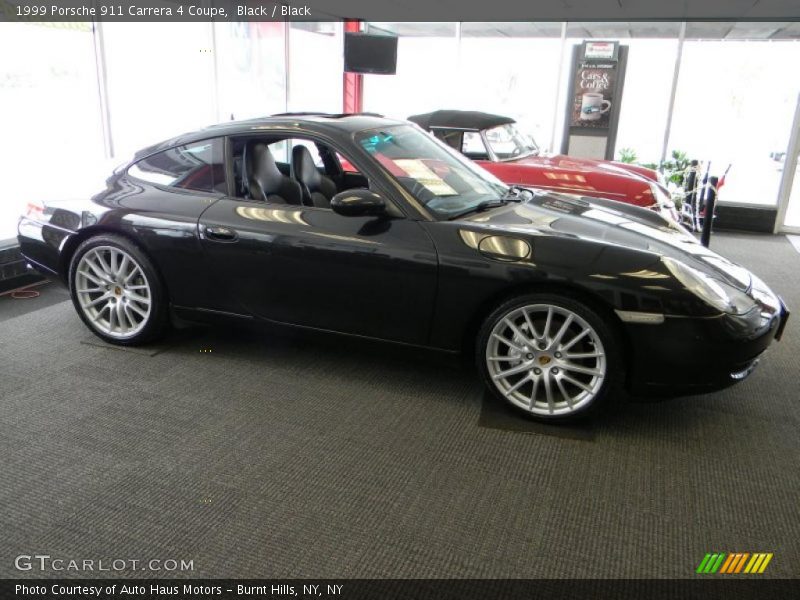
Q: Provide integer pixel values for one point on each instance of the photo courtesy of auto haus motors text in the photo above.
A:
(165, 590)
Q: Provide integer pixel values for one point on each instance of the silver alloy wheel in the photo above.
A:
(113, 291)
(546, 359)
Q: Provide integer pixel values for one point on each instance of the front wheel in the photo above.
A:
(548, 355)
(117, 292)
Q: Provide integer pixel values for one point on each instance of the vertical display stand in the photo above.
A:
(593, 103)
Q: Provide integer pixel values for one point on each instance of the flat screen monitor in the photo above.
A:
(365, 53)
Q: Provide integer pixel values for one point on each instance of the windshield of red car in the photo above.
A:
(507, 142)
(440, 178)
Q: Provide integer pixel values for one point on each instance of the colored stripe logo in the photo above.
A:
(732, 563)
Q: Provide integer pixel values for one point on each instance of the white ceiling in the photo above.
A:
(634, 29)
(479, 11)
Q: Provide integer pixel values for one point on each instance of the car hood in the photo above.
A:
(606, 222)
(581, 165)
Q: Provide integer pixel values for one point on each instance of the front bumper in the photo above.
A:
(685, 355)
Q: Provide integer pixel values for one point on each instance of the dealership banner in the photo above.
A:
(411, 589)
(394, 10)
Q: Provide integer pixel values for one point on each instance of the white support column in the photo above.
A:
(559, 86)
(102, 87)
(675, 74)
(215, 72)
(789, 169)
(459, 78)
(286, 74)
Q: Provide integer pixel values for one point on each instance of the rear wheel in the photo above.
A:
(548, 355)
(117, 292)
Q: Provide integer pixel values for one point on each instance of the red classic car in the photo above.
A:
(495, 143)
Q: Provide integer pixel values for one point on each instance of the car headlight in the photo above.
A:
(713, 292)
(666, 207)
(763, 295)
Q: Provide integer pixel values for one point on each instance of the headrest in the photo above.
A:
(305, 171)
(260, 165)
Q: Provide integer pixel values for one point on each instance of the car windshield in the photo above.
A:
(508, 143)
(440, 178)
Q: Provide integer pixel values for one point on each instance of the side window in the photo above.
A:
(315, 191)
(347, 166)
(312, 148)
(473, 146)
(451, 137)
(281, 151)
(199, 167)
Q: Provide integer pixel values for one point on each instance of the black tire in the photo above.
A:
(604, 340)
(157, 320)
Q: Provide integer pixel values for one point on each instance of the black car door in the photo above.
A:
(370, 276)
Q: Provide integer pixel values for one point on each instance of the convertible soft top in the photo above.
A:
(459, 119)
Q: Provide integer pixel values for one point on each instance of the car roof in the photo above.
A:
(459, 119)
(323, 123)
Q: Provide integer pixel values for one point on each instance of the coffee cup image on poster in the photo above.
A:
(593, 94)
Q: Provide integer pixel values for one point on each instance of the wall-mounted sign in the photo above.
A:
(600, 51)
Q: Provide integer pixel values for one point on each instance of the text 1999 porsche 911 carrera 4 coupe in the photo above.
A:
(561, 299)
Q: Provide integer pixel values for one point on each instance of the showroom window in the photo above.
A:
(160, 88)
(511, 69)
(734, 106)
(516, 77)
(251, 69)
(427, 71)
(316, 63)
(199, 167)
(48, 82)
(645, 97)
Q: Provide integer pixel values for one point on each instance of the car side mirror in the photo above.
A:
(358, 203)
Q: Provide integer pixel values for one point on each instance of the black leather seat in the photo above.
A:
(317, 188)
(264, 180)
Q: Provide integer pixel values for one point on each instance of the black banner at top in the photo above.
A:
(399, 10)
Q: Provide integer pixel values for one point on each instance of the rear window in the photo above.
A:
(199, 167)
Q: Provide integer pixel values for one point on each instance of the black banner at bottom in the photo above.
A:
(402, 589)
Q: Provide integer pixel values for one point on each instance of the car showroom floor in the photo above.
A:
(264, 456)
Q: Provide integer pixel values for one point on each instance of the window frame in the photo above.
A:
(494, 157)
(394, 207)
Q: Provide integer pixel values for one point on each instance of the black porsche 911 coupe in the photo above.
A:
(562, 299)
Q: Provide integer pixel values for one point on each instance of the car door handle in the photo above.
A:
(218, 233)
